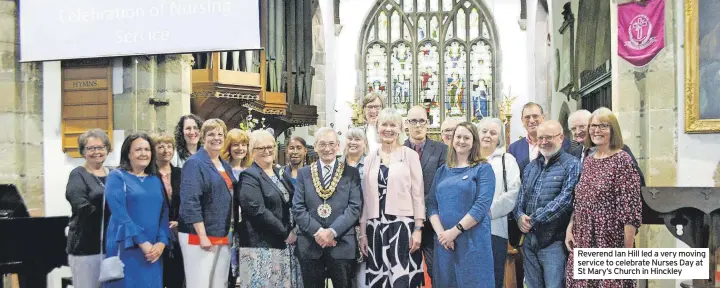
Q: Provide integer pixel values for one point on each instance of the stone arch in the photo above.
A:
(318, 64)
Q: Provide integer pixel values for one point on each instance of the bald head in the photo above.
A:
(550, 138)
(416, 124)
(447, 128)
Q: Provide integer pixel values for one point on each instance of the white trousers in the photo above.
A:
(85, 270)
(205, 269)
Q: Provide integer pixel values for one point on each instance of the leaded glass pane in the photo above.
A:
(447, 5)
(406, 33)
(429, 80)
(395, 24)
(449, 35)
(435, 29)
(376, 69)
(422, 28)
(485, 34)
(481, 80)
(461, 24)
(401, 73)
(474, 24)
(422, 4)
(371, 34)
(383, 27)
(408, 6)
(434, 5)
(456, 79)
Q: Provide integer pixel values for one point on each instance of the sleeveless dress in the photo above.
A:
(389, 262)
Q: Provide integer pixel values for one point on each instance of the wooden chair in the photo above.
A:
(514, 268)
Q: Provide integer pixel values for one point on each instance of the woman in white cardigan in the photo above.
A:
(507, 185)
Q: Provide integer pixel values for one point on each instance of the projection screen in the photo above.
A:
(75, 29)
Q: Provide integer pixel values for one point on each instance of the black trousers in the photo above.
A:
(340, 271)
(427, 246)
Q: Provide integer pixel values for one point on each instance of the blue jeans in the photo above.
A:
(544, 268)
(500, 248)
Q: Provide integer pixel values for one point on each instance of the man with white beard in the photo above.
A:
(544, 207)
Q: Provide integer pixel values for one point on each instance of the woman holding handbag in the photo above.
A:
(86, 192)
(507, 185)
(139, 227)
(267, 238)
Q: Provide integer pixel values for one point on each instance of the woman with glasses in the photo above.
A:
(607, 209)
(268, 235)
(85, 192)
(371, 105)
(206, 198)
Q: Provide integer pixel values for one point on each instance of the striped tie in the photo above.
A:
(326, 176)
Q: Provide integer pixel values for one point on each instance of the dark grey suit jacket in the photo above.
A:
(346, 205)
(434, 155)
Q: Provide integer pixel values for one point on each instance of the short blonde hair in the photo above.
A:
(474, 157)
(393, 116)
(163, 138)
(236, 136)
(210, 125)
(605, 115)
(258, 135)
(359, 133)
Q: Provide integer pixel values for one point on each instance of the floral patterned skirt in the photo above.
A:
(268, 267)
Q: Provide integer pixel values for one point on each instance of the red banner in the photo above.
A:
(641, 31)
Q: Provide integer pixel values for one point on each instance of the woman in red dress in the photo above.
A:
(607, 208)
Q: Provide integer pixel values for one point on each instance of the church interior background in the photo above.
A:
(460, 59)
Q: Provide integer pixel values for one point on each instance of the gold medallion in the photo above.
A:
(324, 210)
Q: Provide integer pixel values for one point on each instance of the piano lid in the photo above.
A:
(12, 204)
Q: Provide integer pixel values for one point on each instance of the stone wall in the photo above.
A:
(21, 110)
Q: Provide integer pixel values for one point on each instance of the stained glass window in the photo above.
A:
(417, 52)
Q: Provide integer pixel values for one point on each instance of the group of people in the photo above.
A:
(209, 207)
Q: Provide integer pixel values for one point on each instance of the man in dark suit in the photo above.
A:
(527, 149)
(432, 156)
(326, 206)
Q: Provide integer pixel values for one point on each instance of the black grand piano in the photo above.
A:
(29, 246)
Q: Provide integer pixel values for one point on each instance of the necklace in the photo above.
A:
(324, 210)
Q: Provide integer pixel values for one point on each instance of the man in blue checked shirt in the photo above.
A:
(544, 208)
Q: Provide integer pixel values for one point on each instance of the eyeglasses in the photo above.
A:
(416, 121)
(603, 127)
(373, 107)
(547, 138)
(323, 145)
(265, 149)
(95, 148)
(578, 128)
(448, 131)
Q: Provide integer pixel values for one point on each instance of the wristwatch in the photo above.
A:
(460, 227)
(418, 228)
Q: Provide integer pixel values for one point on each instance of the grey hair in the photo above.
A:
(324, 131)
(257, 135)
(390, 115)
(93, 133)
(485, 121)
(359, 133)
(579, 113)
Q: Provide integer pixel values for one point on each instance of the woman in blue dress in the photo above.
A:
(139, 228)
(458, 206)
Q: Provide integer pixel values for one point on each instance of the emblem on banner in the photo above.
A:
(640, 33)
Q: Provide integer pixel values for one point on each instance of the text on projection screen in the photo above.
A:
(74, 29)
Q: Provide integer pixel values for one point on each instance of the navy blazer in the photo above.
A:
(204, 196)
(520, 149)
(265, 214)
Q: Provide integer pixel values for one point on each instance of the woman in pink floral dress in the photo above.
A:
(607, 208)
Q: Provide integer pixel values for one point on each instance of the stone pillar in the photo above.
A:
(318, 63)
(21, 109)
(174, 84)
(646, 106)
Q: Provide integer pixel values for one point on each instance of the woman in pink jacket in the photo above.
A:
(394, 209)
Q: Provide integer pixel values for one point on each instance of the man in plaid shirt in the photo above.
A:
(544, 208)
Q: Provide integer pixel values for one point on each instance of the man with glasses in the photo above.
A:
(326, 207)
(432, 156)
(448, 128)
(526, 149)
(578, 124)
(544, 207)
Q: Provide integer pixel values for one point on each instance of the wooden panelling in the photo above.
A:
(86, 102)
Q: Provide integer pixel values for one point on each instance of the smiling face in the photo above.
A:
(389, 131)
(578, 127)
(550, 138)
(140, 154)
(462, 141)
(238, 150)
(531, 118)
(214, 140)
(264, 151)
(296, 152)
(327, 146)
(600, 132)
(489, 135)
(191, 132)
(95, 151)
(447, 129)
(372, 110)
(164, 152)
(355, 146)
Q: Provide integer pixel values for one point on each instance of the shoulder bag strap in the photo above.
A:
(504, 173)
